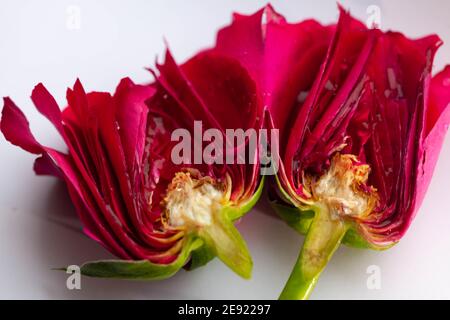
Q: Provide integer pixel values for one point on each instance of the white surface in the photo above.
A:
(117, 39)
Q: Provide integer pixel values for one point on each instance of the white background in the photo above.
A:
(38, 227)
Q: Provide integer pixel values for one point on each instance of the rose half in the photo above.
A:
(362, 147)
(155, 215)
(361, 124)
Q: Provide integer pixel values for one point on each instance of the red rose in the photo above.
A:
(154, 214)
(361, 125)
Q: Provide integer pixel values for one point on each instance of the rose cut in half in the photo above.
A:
(155, 214)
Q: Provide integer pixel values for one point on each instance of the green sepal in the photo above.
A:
(224, 241)
(140, 270)
(353, 239)
(300, 220)
(205, 253)
(200, 257)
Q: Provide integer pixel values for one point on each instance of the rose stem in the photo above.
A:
(322, 240)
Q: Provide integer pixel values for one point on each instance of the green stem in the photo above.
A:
(322, 240)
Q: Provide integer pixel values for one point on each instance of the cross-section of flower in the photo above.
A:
(156, 214)
(362, 146)
(361, 122)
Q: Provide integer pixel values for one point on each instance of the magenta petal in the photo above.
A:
(439, 96)
(16, 128)
(190, 104)
(276, 53)
(437, 126)
(90, 121)
(225, 88)
(46, 104)
(216, 90)
(45, 165)
(131, 112)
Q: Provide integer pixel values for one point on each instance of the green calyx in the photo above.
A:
(300, 220)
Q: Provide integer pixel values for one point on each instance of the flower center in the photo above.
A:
(343, 188)
(191, 202)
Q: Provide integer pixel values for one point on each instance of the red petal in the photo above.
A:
(276, 53)
(16, 128)
(438, 120)
(131, 112)
(46, 104)
(213, 89)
